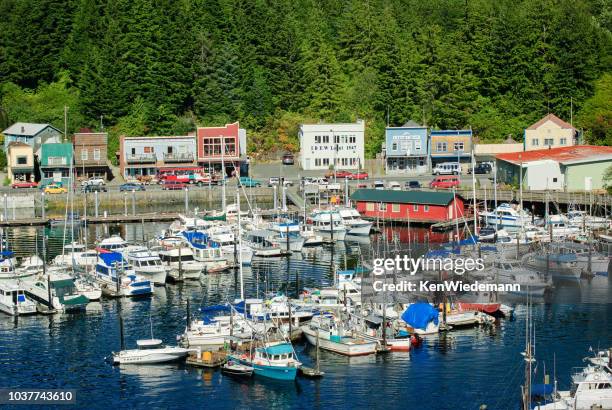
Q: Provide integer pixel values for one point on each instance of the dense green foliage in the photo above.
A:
(162, 66)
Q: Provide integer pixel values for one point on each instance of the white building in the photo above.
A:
(323, 145)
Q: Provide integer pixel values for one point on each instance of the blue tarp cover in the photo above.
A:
(111, 257)
(418, 315)
(197, 239)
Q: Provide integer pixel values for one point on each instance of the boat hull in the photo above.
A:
(143, 357)
(270, 372)
(346, 349)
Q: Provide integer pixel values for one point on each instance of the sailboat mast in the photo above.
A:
(240, 246)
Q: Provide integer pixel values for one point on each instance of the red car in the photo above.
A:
(445, 181)
(339, 174)
(23, 184)
(359, 175)
(172, 185)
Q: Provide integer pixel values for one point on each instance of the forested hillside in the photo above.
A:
(162, 66)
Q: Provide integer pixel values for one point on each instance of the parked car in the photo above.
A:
(131, 186)
(248, 182)
(94, 188)
(482, 168)
(173, 185)
(92, 181)
(447, 168)
(338, 174)
(395, 186)
(445, 181)
(379, 184)
(412, 185)
(275, 181)
(54, 188)
(359, 175)
(288, 159)
(23, 184)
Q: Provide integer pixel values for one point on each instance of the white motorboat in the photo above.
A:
(56, 291)
(30, 266)
(583, 219)
(8, 269)
(180, 263)
(224, 239)
(507, 216)
(260, 240)
(88, 288)
(310, 237)
(354, 223)
(14, 301)
(210, 256)
(75, 254)
(332, 336)
(150, 351)
(117, 278)
(328, 224)
(591, 389)
(147, 264)
(588, 261)
(288, 235)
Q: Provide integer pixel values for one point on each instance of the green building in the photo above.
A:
(573, 168)
(55, 162)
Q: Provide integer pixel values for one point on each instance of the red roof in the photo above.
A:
(576, 153)
(553, 118)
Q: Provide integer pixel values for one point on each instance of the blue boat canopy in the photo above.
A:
(197, 239)
(418, 315)
(6, 254)
(282, 348)
(109, 258)
(541, 389)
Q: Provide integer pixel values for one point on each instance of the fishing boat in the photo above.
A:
(333, 336)
(14, 301)
(148, 265)
(117, 278)
(272, 360)
(180, 263)
(587, 259)
(150, 351)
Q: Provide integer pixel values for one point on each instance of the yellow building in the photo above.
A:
(549, 132)
(20, 162)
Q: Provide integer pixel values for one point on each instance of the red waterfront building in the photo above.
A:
(217, 145)
(408, 206)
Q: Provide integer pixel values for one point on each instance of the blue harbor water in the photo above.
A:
(455, 370)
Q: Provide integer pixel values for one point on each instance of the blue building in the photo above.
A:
(451, 146)
(406, 149)
(32, 134)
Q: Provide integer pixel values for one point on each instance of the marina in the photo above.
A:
(234, 325)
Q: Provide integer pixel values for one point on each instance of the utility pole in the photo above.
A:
(65, 123)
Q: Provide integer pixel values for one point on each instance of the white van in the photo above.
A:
(447, 168)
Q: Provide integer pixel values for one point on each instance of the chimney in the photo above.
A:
(22, 129)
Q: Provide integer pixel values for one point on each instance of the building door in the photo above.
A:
(57, 176)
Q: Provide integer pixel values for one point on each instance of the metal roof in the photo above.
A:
(564, 155)
(27, 129)
(403, 197)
